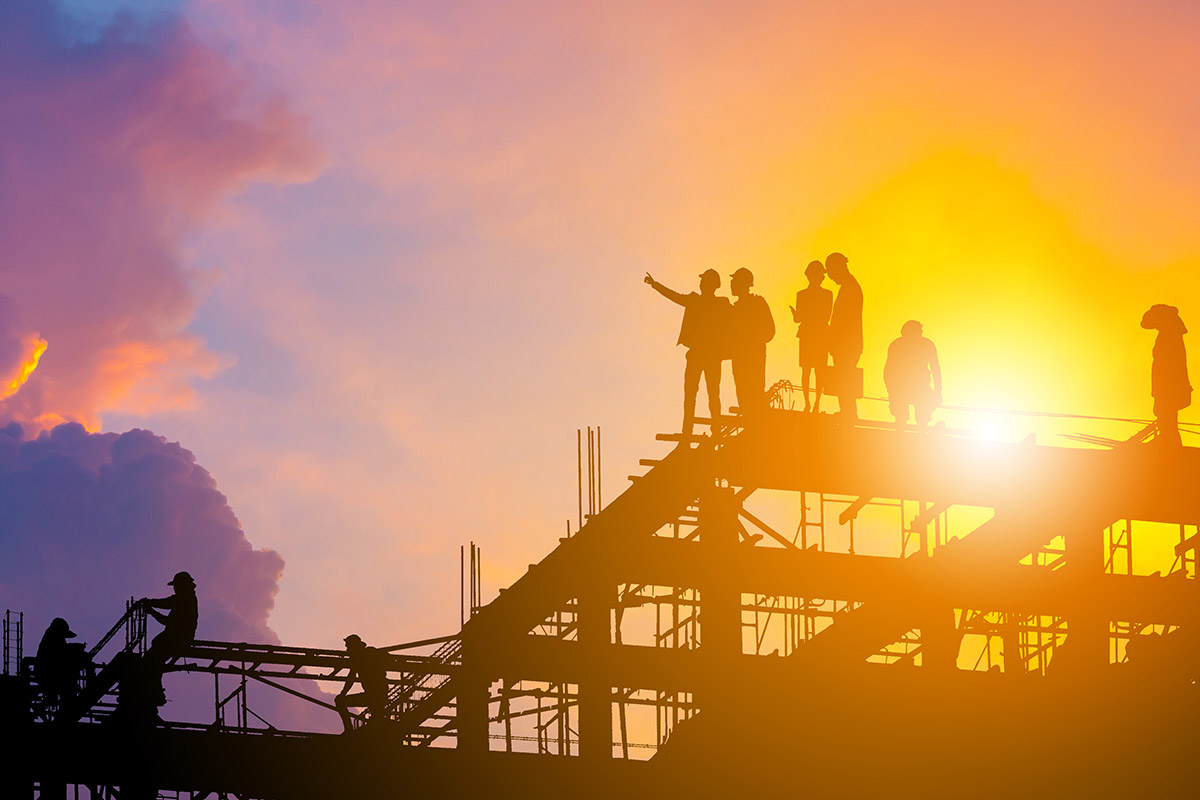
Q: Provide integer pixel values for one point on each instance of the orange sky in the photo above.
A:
(410, 339)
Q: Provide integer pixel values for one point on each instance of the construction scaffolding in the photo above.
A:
(786, 602)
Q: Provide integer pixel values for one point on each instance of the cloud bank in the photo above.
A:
(89, 520)
(116, 147)
(113, 150)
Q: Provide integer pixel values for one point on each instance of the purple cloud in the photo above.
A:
(88, 520)
(113, 150)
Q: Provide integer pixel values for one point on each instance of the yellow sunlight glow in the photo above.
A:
(27, 368)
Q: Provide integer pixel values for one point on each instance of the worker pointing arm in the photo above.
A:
(670, 294)
(705, 333)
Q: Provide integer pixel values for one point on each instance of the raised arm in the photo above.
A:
(670, 294)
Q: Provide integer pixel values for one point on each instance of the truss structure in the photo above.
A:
(989, 628)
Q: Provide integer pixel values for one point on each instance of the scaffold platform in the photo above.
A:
(940, 616)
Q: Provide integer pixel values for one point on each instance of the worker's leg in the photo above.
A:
(157, 651)
(344, 702)
(741, 384)
(377, 707)
(819, 373)
(155, 660)
(845, 362)
(758, 379)
(749, 379)
(712, 384)
(691, 386)
(923, 405)
(1167, 422)
(166, 647)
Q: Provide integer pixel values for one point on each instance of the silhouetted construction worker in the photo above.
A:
(705, 333)
(811, 314)
(367, 667)
(179, 623)
(845, 334)
(753, 326)
(58, 663)
(911, 362)
(1168, 371)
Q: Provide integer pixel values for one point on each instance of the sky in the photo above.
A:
(368, 265)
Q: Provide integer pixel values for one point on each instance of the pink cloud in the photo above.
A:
(114, 151)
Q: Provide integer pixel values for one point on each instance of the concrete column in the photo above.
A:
(720, 602)
(473, 683)
(939, 639)
(596, 602)
(1087, 631)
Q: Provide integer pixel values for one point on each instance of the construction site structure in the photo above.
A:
(1002, 640)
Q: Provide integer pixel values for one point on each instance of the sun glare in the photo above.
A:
(989, 428)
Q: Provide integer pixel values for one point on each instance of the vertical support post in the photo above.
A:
(472, 702)
(803, 520)
(591, 471)
(939, 640)
(720, 599)
(596, 602)
(1010, 640)
(923, 529)
(506, 713)
(472, 696)
(243, 716)
(599, 476)
(1087, 632)
(7, 637)
(579, 471)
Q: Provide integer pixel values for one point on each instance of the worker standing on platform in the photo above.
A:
(753, 326)
(1168, 371)
(368, 668)
(705, 333)
(911, 362)
(811, 314)
(845, 336)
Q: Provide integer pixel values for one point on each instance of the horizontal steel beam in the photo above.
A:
(915, 581)
(808, 452)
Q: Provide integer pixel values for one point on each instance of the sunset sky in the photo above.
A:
(373, 262)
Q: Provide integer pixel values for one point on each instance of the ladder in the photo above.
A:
(14, 641)
(98, 684)
(417, 696)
